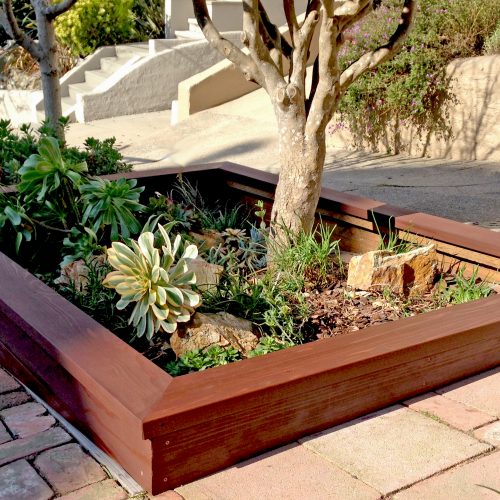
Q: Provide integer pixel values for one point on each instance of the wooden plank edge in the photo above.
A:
(256, 424)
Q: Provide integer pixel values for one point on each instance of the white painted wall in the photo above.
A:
(226, 14)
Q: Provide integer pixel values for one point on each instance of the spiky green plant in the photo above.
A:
(151, 278)
(47, 172)
(112, 203)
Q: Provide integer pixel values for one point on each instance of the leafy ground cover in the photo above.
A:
(413, 88)
(125, 259)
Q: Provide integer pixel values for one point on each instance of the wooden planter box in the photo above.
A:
(166, 432)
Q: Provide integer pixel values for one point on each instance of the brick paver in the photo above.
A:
(27, 419)
(105, 490)
(68, 468)
(479, 392)
(7, 383)
(20, 448)
(168, 495)
(4, 435)
(394, 448)
(19, 481)
(466, 482)
(449, 411)
(291, 473)
(13, 399)
(490, 433)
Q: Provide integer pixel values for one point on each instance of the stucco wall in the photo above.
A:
(18, 105)
(474, 118)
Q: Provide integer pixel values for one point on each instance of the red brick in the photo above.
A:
(105, 490)
(489, 433)
(451, 412)
(68, 468)
(27, 419)
(24, 447)
(13, 399)
(7, 383)
(19, 480)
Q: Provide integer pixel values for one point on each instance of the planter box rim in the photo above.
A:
(161, 409)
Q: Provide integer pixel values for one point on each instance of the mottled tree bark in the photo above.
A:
(44, 50)
(302, 116)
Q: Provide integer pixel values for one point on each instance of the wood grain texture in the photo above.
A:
(166, 431)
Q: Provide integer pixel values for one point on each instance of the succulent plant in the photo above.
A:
(153, 279)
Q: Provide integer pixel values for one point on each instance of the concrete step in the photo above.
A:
(193, 25)
(189, 35)
(111, 64)
(96, 77)
(132, 49)
(67, 103)
(79, 88)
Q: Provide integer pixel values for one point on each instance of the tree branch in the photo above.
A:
(274, 33)
(376, 57)
(273, 77)
(301, 52)
(326, 90)
(350, 7)
(243, 61)
(291, 18)
(10, 25)
(314, 84)
(56, 9)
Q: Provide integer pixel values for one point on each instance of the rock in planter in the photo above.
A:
(207, 274)
(410, 273)
(207, 330)
(207, 238)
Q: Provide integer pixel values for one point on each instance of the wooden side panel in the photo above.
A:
(313, 388)
(97, 381)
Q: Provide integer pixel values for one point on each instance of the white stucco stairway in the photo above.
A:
(132, 78)
(109, 65)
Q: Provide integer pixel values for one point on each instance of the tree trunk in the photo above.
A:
(301, 166)
(50, 74)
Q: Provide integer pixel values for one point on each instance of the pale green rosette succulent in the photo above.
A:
(151, 277)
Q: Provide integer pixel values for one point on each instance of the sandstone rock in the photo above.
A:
(410, 273)
(207, 238)
(207, 330)
(207, 274)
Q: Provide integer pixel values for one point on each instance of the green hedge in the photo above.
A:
(90, 24)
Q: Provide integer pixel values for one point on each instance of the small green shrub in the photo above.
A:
(149, 19)
(13, 216)
(102, 156)
(90, 24)
(492, 44)
(96, 300)
(200, 360)
(466, 289)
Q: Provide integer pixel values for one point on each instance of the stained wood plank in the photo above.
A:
(257, 375)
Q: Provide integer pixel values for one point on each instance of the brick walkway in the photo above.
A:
(442, 445)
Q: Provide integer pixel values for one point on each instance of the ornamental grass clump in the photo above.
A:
(150, 277)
